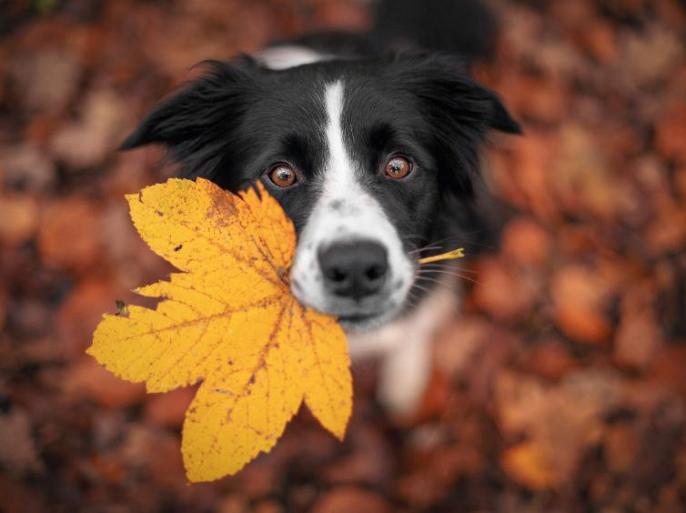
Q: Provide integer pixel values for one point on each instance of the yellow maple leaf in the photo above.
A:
(227, 320)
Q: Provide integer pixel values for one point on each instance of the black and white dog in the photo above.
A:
(373, 157)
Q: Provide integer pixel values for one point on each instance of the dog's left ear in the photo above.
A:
(499, 117)
(460, 111)
(442, 83)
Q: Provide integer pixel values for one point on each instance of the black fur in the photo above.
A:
(238, 120)
(234, 123)
(467, 28)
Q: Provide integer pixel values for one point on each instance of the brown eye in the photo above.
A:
(398, 168)
(283, 176)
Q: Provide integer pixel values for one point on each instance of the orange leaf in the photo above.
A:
(227, 320)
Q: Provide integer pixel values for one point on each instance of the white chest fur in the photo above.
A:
(404, 347)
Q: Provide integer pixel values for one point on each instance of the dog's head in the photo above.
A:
(361, 155)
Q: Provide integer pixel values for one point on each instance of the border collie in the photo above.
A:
(373, 155)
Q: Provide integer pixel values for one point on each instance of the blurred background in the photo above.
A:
(562, 386)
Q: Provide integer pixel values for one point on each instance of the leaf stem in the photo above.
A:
(450, 255)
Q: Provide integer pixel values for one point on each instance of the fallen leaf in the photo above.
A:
(89, 380)
(620, 448)
(86, 143)
(18, 451)
(3, 308)
(351, 16)
(27, 167)
(228, 320)
(16, 496)
(69, 234)
(525, 180)
(369, 461)
(155, 450)
(22, 211)
(45, 80)
(268, 506)
(550, 359)
(502, 292)
(560, 423)
(80, 312)
(233, 503)
(455, 348)
(649, 56)
(600, 41)
(582, 179)
(527, 465)
(638, 337)
(168, 409)
(343, 500)
(525, 242)
(580, 298)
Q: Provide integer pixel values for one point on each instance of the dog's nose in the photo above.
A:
(354, 269)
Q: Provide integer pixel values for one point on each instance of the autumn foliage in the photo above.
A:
(560, 387)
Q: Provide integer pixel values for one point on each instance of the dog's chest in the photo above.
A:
(436, 309)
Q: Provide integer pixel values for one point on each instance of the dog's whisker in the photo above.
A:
(426, 276)
(419, 250)
(429, 279)
(454, 274)
(414, 292)
(446, 267)
(451, 239)
(427, 246)
(414, 301)
(439, 271)
(413, 298)
(423, 289)
(465, 237)
(443, 263)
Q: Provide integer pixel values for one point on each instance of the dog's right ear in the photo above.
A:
(196, 122)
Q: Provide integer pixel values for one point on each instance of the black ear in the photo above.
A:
(500, 118)
(196, 122)
(443, 84)
(460, 112)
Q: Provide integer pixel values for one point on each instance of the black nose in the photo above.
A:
(354, 269)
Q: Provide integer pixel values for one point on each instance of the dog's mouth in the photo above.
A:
(353, 315)
(356, 322)
(358, 318)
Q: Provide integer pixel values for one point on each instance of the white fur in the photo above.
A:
(357, 215)
(289, 56)
(404, 346)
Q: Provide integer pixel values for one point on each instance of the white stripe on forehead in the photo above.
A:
(340, 170)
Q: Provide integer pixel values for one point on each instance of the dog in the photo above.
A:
(372, 154)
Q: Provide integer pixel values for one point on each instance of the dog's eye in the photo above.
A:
(398, 168)
(283, 175)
